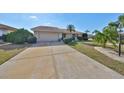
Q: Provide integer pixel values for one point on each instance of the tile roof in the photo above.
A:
(6, 27)
(52, 29)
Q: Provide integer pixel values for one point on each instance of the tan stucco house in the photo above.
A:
(48, 33)
(4, 29)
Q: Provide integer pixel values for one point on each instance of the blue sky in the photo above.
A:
(82, 21)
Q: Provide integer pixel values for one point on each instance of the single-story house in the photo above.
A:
(48, 33)
(4, 29)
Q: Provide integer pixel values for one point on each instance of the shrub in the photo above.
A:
(20, 36)
(79, 38)
(10, 37)
(67, 41)
(73, 43)
(4, 37)
(31, 39)
(19, 40)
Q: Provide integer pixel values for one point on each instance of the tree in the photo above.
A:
(95, 31)
(87, 31)
(121, 20)
(113, 24)
(20, 36)
(100, 38)
(71, 28)
(109, 34)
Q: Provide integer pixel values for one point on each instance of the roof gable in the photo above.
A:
(53, 29)
(6, 27)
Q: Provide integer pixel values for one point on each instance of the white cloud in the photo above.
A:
(33, 17)
(48, 24)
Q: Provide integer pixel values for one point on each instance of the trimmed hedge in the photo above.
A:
(79, 38)
(3, 37)
(67, 41)
(31, 39)
(20, 37)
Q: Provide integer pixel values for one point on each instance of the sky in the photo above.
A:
(81, 21)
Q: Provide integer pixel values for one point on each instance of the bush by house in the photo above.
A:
(20, 36)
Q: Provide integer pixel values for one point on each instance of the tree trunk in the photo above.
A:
(104, 44)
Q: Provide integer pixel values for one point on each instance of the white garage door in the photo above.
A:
(46, 36)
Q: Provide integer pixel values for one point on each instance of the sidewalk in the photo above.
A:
(110, 53)
(5, 44)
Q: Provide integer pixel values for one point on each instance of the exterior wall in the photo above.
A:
(2, 32)
(51, 36)
(5, 32)
(60, 35)
(68, 36)
(9, 31)
(47, 36)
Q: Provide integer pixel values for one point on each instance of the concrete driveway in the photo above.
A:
(56, 61)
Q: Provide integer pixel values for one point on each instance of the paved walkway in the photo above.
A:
(110, 53)
(51, 62)
(5, 44)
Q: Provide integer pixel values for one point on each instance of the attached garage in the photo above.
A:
(46, 33)
(48, 36)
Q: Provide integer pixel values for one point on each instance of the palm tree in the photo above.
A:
(100, 38)
(95, 31)
(109, 34)
(113, 24)
(121, 20)
(71, 28)
(87, 31)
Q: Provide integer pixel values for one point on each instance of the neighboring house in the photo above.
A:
(4, 29)
(47, 33)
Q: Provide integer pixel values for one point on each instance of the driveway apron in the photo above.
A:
(54, 62)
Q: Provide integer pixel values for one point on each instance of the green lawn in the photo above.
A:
(101, 58)
(7, 54)
(9, 51)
